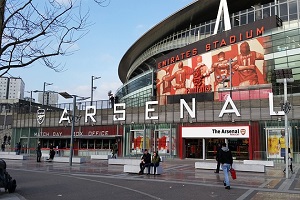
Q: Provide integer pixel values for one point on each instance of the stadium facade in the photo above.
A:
(189, 85)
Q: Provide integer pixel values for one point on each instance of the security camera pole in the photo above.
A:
(93, 88)
(68, 96)
(284, 76)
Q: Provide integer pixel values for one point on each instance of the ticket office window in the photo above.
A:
(239, 148)
(193, 148)
(211, 147)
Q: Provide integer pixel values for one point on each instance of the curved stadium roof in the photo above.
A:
(193, 14)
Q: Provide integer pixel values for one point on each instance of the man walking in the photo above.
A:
(225, 158)
(217, 158)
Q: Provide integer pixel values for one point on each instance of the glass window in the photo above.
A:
(207, 29)
(105, 144)
(98, 144)
(280, 60)
(283, 10)
(266, 12)
(294, 58)
(293, 64)
(91, 144)
(250, 17)
(243, 19)
(293, 7)
(83, 144)
(293, 10)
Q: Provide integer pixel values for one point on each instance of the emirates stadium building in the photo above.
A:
(182, 58)
(215, 71)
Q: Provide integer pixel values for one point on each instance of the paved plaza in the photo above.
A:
(269, 185)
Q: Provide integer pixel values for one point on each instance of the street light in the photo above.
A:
(93, 88)
(284, 76)
(45, 84)
(69, 96)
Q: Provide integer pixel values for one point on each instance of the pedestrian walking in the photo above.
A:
(38, 153)
(8, 140)
(18, 148)
(290, 161)
(225, 158)
(51, 154)
(114, 150)
(3, 146)
(217, 158)
(5, 138)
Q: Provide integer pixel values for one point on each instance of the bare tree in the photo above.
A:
(38, 30)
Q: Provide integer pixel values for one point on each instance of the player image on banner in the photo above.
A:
(173, 79)
(184, 77)
(249, 69)
(276, 143)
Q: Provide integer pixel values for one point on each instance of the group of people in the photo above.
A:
(39, 153)
(6, 139)
(148, 161)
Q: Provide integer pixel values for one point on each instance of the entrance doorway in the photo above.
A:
(211, 147)
(239, 148)
(193, 148)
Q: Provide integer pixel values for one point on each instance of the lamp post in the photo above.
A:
(69, 96)
(284, 76)
(93, 88)
(45, 84)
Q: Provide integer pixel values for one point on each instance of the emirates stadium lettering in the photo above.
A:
(234, 39)
(209, 44)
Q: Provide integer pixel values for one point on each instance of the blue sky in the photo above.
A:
(114, 29)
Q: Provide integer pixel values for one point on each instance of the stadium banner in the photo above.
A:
(234, 60)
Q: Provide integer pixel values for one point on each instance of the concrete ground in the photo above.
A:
(269, 185)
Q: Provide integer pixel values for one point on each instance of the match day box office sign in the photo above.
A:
(90, 132)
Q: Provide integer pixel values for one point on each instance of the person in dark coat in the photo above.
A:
(154, 162)
(114, 150)
(38, 153)
(225, 158)
(51, 154)
(3, 146)
(217, 158)
(18, 148)
(145, 161)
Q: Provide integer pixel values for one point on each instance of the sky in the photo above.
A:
(114, 29)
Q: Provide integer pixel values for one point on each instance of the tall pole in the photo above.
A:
(44, 93)
(72, 130)
(92, 90)
(92, 87)
(286, 130)
(30, 103)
